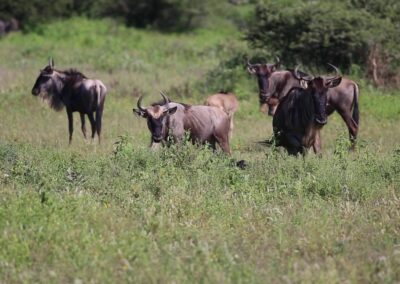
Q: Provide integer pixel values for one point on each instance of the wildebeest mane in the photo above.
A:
(161, 102)
(301, 102)
(74, 72)
(74, 75)
(56, 101)
(186, 106)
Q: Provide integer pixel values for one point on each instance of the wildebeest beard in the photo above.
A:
(62, 89)
(53, 100)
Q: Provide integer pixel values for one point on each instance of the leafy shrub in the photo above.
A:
(34, 12)
(317, 32)
(171, 15)
(174, 15)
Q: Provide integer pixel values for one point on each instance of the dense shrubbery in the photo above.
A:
(344, 33)
(163, 14)
(175, 15)
(32, 11)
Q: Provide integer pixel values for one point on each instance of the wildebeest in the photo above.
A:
(302, 113)
(226, 102)
(205, 124)
(263, 72)
(343, 98)
(7, 26)
(74, 91)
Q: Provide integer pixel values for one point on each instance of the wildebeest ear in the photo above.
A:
(334, 82)
(304, 84)
(172, 110)
(140, 112)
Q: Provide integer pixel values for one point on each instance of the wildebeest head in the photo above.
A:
(263, 72)
(157, 116)
(44, 82)
(48, 85)
(318, 87)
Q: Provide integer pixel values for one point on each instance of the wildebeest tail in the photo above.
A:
(356, 112)
(101, 93)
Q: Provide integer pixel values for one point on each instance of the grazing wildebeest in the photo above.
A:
(343, 98)
(204, 123)
(226, 102)
(74, 91)
(263, 72)
(302, 113)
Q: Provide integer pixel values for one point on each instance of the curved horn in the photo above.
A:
(278, 61)
(51, 62)
(300, 77)
(250, 67)
(139, 103)
(336, 70)
(296, 74)
(166, 100)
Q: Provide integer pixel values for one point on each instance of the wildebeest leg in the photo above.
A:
(70, 125)
(317, 144)
(92, 123)
(295, 145)
(83, 124)
(351, 125)
(99, 114)
(231, 125)
(223, 141)
(212, 144)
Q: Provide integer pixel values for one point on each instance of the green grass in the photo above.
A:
(118, 212)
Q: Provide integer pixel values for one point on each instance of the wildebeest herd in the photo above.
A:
(298, 102)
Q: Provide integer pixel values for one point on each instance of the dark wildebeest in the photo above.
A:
(226, 102)
(76, 92)
(263, 72)
(8, 26)
(302, 113)
(204, 123)
(343, 98)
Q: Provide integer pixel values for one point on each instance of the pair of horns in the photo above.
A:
(278, 61)
(309, 78)
(139, 103)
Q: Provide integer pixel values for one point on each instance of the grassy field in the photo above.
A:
(117, 212)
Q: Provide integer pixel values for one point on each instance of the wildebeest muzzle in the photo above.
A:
(35, 91)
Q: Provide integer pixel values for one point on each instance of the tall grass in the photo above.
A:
(118, 212)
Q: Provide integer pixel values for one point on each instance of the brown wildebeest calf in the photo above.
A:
(74, 91)
(226, 102)
(204, 123)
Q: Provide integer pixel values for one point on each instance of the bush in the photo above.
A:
(36, 11)
(169, 15)
(175, 15)
(316, 32)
